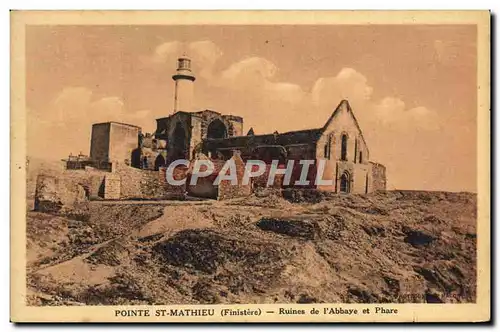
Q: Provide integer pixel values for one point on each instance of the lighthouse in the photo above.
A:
(184, 81)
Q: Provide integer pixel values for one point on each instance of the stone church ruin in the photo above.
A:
(126, 163)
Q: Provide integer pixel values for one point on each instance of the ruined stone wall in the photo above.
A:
(379, 179)
(62, 196)
(173, 191)
(261, 181)
(58, 190)
(236, 123)
(204, 187)
(227, 190)
(139, 184)
(112, 186)
(92, 180)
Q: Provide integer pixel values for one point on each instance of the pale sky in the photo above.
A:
(412, 88)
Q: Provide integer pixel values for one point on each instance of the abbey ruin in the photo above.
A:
(125, 163)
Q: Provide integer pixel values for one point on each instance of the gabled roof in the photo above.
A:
(345, 103)
(287, 138)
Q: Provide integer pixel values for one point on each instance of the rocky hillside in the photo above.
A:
(398, 246)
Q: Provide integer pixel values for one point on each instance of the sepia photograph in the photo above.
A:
(241, 167)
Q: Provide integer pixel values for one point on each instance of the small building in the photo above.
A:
(113, 141)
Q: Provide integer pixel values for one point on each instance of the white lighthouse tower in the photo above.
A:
(184, 84)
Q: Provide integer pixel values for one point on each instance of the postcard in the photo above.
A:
(250, 166)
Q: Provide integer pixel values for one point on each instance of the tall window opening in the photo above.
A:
(343, 152)
(366, 184)
(328, 147)
(355, 150)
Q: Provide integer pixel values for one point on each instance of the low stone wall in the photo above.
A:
(60, 191)
(204, 188)
(261, 181)
(139, 184)
(92, 180)
(174, 191)
(112, 186)
(67, 192)
(227, 190)
(55, 191)
(62, 196)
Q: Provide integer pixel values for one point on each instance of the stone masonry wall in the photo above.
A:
(112, 186)
(91, 179)
(379, 180)
(139, 184)
(227, 190)
(62, 196)
(261, 181)
(173, 191)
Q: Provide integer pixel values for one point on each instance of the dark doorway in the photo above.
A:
(179, 146)
(343, 153)
(216, 129)
(344, 183)
(136, 158)
(159, 162)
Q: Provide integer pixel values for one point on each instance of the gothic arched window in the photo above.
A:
(355, 150)
(343, 152)
(328, 147)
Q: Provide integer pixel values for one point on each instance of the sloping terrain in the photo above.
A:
(399, 246)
